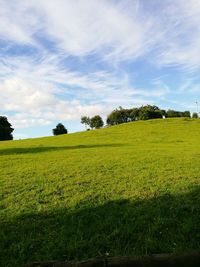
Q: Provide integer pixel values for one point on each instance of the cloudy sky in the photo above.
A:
(61, 59)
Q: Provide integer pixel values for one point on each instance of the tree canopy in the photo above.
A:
(147, 112)
(5, 129)
(85, 120)
(96, 122)
(60, 129)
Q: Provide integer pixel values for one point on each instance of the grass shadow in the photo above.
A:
(162, 224)
(41, 149)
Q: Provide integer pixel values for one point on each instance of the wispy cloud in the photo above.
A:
(79, 27)
(45, 91)
(179, 46)
(114, 30)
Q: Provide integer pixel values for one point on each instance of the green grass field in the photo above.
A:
(126, 190)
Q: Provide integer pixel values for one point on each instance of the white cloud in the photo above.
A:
(180, 42)
(80, 27)
(42, 92)
(31, 90)
(114, 30)
(92, 26)
(17, 22)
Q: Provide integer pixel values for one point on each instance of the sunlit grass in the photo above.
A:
(125, 190)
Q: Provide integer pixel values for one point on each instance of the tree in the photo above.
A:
(118, 116)
(173, 113)
(163, 112)
(96, 122)
(114, 118)
(150, 112)
(5, 129)
(60, 129)
(195, 115)
(134, 114)
(85, 120)
(186, 114)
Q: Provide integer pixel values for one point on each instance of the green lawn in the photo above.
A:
(125, 190)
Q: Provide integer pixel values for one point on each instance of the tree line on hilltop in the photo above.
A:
(117, 116)
(122, 115)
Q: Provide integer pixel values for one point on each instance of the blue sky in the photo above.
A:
(61, 59)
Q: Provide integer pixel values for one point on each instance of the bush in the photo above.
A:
(60, 129)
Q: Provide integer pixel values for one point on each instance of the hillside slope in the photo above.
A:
(125, 190)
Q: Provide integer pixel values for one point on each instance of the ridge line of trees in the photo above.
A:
(147, 112)
(123, 115)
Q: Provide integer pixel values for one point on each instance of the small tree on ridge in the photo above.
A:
(96, 122)
(60, 129)
(85, 120)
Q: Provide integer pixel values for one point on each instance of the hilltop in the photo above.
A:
(125, 190)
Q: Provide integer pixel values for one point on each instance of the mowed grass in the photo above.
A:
(126, 190)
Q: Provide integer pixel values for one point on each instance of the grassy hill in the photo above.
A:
(125, 190)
